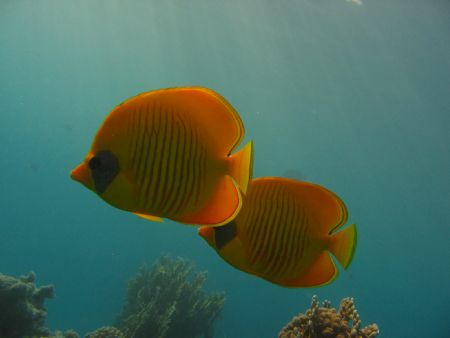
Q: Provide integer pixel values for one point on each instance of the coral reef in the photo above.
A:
(106, 332)
(22, 311)
(167, 301)
(66, 334)
(325, 321)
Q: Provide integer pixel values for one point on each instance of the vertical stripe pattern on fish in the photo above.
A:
(285, 232)
(173, 149)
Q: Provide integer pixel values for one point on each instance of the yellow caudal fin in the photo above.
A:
(343, 245)
(149, 217)
(241, 166)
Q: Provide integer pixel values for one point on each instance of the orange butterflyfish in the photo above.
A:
(285, 233)
(168, 154)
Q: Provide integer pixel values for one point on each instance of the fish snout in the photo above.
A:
(81, 174)
(207, 233)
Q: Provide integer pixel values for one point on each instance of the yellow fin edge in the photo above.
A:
(149, 217)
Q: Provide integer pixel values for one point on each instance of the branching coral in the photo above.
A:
(325, 321)
(22, 311)
(106, 332)
(67, 334)
(167, 301)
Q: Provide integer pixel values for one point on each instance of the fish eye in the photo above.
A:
(95, 163)
(225, 234)
(104, 168)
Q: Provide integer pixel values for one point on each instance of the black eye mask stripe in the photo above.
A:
(104, 168)
(224, 234)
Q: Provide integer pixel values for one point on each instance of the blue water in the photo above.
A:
(353, 97)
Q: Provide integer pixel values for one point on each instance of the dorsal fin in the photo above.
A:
(323, 206)
(220, 121)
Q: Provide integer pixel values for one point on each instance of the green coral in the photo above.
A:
(66, 334)
(106, 332)
(168, 301)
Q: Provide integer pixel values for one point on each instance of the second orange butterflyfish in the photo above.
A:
(285, 233)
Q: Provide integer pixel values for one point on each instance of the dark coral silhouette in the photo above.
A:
(106, 332)
(22, 312)
(167, 301)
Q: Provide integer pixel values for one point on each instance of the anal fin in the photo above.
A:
(221, 208)
(321, 271)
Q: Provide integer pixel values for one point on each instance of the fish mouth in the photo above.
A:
(207, 233)
(81, 174)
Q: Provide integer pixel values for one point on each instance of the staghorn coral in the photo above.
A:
(167, 301)
(106, 332)
(22, 311)
(326, 322)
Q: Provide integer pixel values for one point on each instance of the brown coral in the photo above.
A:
(326, 322)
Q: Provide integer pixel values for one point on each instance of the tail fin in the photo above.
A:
(241, 166)
(343, 245)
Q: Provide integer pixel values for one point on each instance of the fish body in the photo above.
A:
(285, 233)
(167, 154)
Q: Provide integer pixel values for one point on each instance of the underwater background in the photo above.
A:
(351, 95)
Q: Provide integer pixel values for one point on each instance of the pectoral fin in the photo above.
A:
(149, 217)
